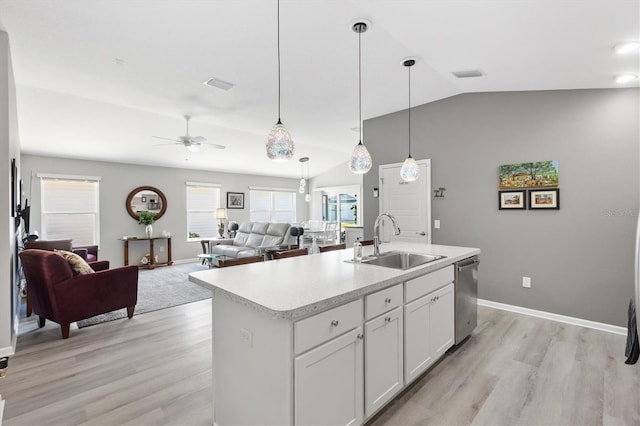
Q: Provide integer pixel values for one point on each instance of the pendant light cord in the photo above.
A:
(360, 84)
(409, 111)
(278, 61)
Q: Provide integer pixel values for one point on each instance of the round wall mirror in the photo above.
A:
(146, 198)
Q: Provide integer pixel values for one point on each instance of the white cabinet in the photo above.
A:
(429, 330)
(328, 383)
(383, 359)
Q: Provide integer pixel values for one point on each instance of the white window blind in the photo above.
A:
(272, 206)
(202, 202)
(70, 209)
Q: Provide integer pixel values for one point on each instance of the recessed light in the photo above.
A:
(218, 84)
(626, 78)
(628, 47)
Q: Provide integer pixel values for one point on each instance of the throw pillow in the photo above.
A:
(78, 264)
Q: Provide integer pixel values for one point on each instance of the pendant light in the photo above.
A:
(279, 144)
(410, 170)
(360, 162)
(303, 183)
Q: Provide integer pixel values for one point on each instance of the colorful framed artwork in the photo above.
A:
(512, 200)
(544, 199)
(235, 200)
(541, 174)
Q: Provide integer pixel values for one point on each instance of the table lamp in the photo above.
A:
(221, 214)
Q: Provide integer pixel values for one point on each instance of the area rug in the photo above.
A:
(159, 288)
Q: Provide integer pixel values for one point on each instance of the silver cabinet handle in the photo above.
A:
(387, 300)
(421, 233)
(334, 323)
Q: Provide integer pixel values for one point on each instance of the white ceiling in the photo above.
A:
(96, 79)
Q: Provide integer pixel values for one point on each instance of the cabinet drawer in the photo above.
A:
(425, 284)
(319, 328)
(383, 301)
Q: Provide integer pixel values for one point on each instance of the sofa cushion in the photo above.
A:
(235, 251)
(78, 264)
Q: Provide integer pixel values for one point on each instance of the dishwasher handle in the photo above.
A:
(474, 262)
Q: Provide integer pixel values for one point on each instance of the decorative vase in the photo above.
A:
(149, 231)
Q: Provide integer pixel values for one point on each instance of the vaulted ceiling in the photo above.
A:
(96, 79)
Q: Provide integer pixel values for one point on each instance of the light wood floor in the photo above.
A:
(156, 369)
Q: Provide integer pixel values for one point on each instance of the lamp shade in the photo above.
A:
(221, 213)
(360, 162)
(410, 170)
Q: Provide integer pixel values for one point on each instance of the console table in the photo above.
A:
(152, 263)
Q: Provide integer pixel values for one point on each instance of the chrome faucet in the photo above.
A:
(376, 231)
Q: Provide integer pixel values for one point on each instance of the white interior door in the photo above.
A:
(409, 202)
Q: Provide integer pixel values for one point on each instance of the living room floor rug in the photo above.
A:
(159, 288)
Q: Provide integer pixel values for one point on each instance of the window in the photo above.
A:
(202, 201)
(70, 209)
(272, 205)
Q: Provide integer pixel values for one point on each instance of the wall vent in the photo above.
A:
(468, 73)
(218, 84)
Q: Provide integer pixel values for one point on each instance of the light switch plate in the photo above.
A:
(436, 224)
(526, 282)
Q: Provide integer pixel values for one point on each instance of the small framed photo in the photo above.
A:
(512, 200)
(143, 199)
(235, 200)
(544, 199)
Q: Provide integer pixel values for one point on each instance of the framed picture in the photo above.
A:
(539, 174)
(512, 200)
(544, 199)
(143, 199)
(235, 200)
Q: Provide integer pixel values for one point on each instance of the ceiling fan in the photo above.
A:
(192, 143)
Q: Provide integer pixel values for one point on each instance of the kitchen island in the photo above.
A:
(316, 340)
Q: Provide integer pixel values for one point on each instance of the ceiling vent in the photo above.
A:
(467, 74)
(218, 84)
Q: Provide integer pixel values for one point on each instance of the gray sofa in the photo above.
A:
(253, 237)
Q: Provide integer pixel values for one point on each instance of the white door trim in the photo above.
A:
(427, 176)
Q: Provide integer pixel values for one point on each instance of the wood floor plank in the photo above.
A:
(155, 369)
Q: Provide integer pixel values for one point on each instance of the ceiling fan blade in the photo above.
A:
(214, 145)
(166, 139)
(198, 139)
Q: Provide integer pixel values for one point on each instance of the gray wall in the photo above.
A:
(580, 258)
(117, 180)
(9, 148)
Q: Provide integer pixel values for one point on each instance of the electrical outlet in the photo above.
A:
(436, 224)
(246, 336)
(526, 282)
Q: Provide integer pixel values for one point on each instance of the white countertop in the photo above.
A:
(298, 286)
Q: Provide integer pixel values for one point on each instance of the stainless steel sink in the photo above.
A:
(401, 260)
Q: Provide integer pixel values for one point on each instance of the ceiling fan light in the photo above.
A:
(193, 148)
(360, 162)
(279, 144)
(409, 171)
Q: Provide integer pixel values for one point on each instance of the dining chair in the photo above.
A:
(223, 263)
(290, 253)
(205, 249)
(333, 247)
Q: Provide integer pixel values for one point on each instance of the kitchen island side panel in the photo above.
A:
(252, 366)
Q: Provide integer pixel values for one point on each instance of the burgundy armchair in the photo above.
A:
(61, 297)
(88, 253)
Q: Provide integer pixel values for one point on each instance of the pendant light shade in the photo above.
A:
(279, 143)
(409, 171)
(360, 161)
(303, 182)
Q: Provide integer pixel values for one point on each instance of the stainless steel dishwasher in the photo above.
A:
(466, 294)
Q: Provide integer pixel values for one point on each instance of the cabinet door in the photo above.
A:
(328, 384)
(383, 359)
(417, 345)
(441, 320)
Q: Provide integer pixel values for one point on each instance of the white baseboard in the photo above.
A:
(555, 317)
